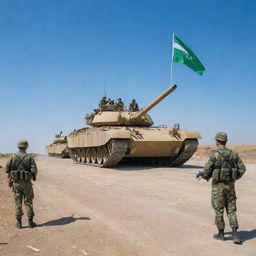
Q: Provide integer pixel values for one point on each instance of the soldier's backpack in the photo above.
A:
(228, 169)
(18, 174)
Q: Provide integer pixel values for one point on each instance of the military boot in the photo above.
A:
(236, 239)
(220, 235)
(18, 224)
(31, 223)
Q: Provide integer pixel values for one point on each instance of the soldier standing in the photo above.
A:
(21, 168)
(119, 105)
(133, 106)
(224, 167)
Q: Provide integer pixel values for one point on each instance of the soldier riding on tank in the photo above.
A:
(103, 103)
(133, 106)
(111, 105)
(119, 106)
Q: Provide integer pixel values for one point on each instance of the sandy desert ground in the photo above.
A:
(135, 211)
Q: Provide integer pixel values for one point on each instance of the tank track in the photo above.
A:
(116, 150)
(65, 154)
(187, 150)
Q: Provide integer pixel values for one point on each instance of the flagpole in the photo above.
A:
(172, 58)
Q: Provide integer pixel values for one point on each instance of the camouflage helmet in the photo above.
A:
(221, 136)
(22, 144)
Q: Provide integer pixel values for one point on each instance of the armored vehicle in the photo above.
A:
(123, 135)
(59, 147)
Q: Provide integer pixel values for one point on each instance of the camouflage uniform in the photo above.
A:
(103, 103)
(223, 189)
(111, 105)
(133, 106)
(119, 105)
(21, 185)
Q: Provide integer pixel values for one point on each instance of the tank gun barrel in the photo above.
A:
(154, 102)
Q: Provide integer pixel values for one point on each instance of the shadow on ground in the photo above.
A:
(189, 166)
(145, 167)
(244, 235)
(133, 167)
(62, 221)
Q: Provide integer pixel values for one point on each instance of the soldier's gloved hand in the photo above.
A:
(199, 175)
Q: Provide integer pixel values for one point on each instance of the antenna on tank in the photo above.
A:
(105, 93)
(125, 92)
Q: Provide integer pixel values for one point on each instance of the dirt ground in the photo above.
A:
(143, 211)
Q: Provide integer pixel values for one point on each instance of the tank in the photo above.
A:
(130, 136)
(59, 147)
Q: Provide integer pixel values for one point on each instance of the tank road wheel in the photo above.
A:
(93, 155)
(88, 155)
(83, 157)
(99, 155)
(110, 145)
(79, 155)
(104, 154)
(76, 155)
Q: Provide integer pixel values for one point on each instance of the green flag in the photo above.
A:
(182, 54)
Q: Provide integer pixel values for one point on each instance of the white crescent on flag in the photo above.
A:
(179, 47)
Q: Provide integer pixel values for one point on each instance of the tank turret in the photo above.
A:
(126, 118)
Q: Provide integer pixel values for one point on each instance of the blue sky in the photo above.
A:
(57, 55)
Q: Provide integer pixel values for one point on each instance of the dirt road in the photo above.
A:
(131, 211)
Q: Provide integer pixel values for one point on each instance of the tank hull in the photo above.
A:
(160, 144)
(57, 150)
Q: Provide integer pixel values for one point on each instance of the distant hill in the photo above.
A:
(246, 152)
